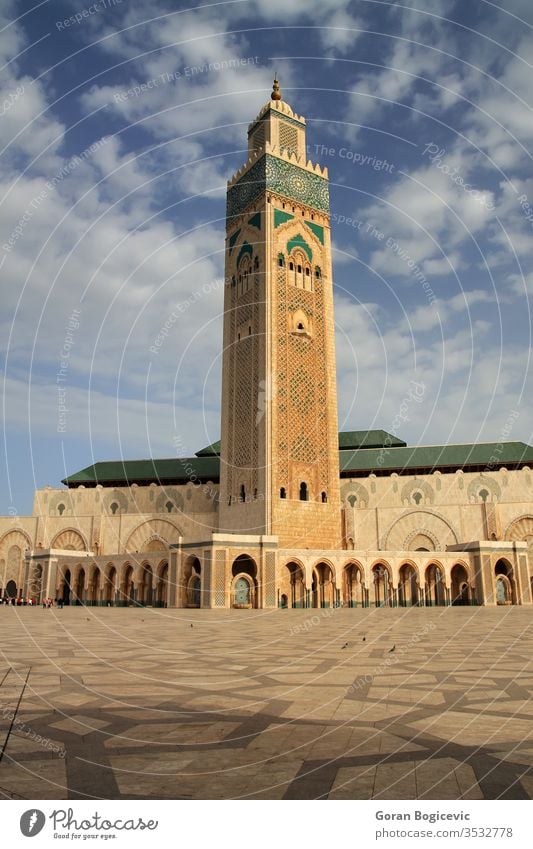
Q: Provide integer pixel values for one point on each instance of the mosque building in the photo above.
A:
(284, 511)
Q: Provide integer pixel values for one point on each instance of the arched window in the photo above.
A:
(169, 505)
(351, 500)
(300, 325)
(417, 497)
(299, 269)
(256, 263)
(255, 495)
(242, 493)
(304, 495)
(114, 507)
(318, 273)
(484, 495)
(60, 509)
(281, 261)
(283, 492)
(324, 497)
(307, 272)
(291, 266)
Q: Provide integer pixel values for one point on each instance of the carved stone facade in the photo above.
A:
(273, 521)
(279, 457)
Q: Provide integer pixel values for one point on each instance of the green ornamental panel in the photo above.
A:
(281, 217)
(317, 230)
(232, 239)
(299, 242)
(282, 177)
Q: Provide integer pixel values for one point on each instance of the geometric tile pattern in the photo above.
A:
(289, 180)
(421, 703)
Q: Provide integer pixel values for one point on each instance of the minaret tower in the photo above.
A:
(279, 452)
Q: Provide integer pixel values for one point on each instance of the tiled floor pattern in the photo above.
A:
(304, 704)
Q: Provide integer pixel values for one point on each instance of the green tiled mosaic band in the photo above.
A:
(282, 177)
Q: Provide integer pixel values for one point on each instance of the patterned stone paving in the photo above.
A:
(293, 704)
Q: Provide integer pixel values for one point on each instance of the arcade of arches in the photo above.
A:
(241, 579)
(142, 585)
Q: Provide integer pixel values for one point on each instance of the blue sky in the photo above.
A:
(112, 215)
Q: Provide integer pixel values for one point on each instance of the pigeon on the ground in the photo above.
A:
(364, 638)
(191, 624)
(392, 649)
(345, 646)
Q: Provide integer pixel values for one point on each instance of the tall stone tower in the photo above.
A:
(279, 452)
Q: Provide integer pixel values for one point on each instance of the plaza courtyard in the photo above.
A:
(420, 703)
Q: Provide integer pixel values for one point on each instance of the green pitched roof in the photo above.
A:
(368, 439)
(428, 458)
(347, 439)
(212, 450)
(357, 460)
(125, 472)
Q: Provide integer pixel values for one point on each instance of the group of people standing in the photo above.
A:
(47, 603)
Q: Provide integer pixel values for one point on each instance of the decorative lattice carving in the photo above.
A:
(219, 582)
(288, 137)
(270, 579)
(258, 138)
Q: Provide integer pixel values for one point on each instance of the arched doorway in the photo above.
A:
(505, 586)
(194, 591)
(162, 586)
(296, 594)
(95, 587)
(128, 587)
(323, 586)
(14, 564)
(80, 587)
(354, 591)
(408, 587)
(244, 586)
(11, 589)
(242, 591)
(435, 587)
(382, 585)
(111, 587)
(191, 581)
(460, 586)
(284, 601)
(65, 594)
(145, 594)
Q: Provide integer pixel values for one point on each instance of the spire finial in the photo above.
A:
(276, 94)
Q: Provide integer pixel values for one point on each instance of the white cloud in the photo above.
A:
(341, 32)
